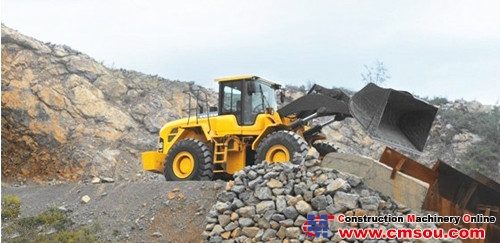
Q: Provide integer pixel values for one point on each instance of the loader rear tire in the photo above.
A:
(189, 159)
(324, 148)
(281, 146)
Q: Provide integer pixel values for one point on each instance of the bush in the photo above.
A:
(11, 207)
(438, 101)
(53, 225)
(482, 157)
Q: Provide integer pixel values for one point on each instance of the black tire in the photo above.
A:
(281, 145)
(325, 148)
(189, 159)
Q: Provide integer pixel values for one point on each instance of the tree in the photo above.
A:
(376, 73)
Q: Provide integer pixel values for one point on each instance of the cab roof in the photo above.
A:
(249, 78)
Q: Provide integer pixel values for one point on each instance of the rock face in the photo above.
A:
(66, 117)
(241, 215)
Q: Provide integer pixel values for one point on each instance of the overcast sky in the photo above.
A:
(431, 48)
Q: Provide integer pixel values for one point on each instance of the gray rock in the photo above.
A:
(223, 220)
(278, 191)
(212, 213)
(300, 220)
(300, 188)
(259, 235)
(264, 206)
(231, 226)
(238, 189)
(269, 234)
(237, 203)
(226, 196)
(252, 174)
(293, 232)
(215, 239)
(273, 183)
(354, 180)
(286, 222)
(347, 200)
(338, 184)
(254, 182)
(217, 230)
(248, 198)
(221, 207)
(263, 193)
(280, 203)
(278, 217)
(308, 195)
(247, 211)
(250, 232)
(271, 174)
(369, 203)
(290, 212)
(269, 214)
(319, 202)
(303, 207)
(263, 223)
(333, 209)
(245, 222)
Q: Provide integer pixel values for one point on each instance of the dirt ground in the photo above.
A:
(128, 212)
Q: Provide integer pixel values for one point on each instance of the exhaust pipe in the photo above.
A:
(393, 117)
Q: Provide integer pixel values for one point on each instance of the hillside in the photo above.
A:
(67, 117)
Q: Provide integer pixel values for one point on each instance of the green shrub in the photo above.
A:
(11, 207)
(53, 225)
(53, 217)
(483, 156)
(438, 101)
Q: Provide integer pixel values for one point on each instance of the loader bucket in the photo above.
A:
(394, 117)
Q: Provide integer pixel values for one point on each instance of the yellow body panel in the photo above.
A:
(236, 156)
(153, 161)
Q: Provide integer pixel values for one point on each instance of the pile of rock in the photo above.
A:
(270, 203)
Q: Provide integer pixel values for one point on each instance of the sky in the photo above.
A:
(431, 48)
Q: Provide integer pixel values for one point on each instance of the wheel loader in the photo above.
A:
(247, 127)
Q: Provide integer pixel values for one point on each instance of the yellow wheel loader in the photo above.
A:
(247, 127)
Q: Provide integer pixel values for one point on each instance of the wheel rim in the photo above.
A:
(278, 153)
(183, 165)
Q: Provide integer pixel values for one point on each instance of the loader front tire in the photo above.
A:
(281, 146)
(324, 148)
(189, 159)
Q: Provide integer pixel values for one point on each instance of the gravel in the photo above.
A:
(128, 212)
(276, 199)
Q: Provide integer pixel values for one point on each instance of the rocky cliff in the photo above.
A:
(67, 117)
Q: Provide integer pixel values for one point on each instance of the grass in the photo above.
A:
(11, 207)
(52, 225)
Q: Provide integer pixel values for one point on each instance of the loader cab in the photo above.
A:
(245, 97)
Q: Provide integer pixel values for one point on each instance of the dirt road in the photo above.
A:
(128, 212)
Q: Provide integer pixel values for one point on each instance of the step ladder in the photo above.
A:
(220, 156)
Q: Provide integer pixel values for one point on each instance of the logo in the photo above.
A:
(317, 226)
